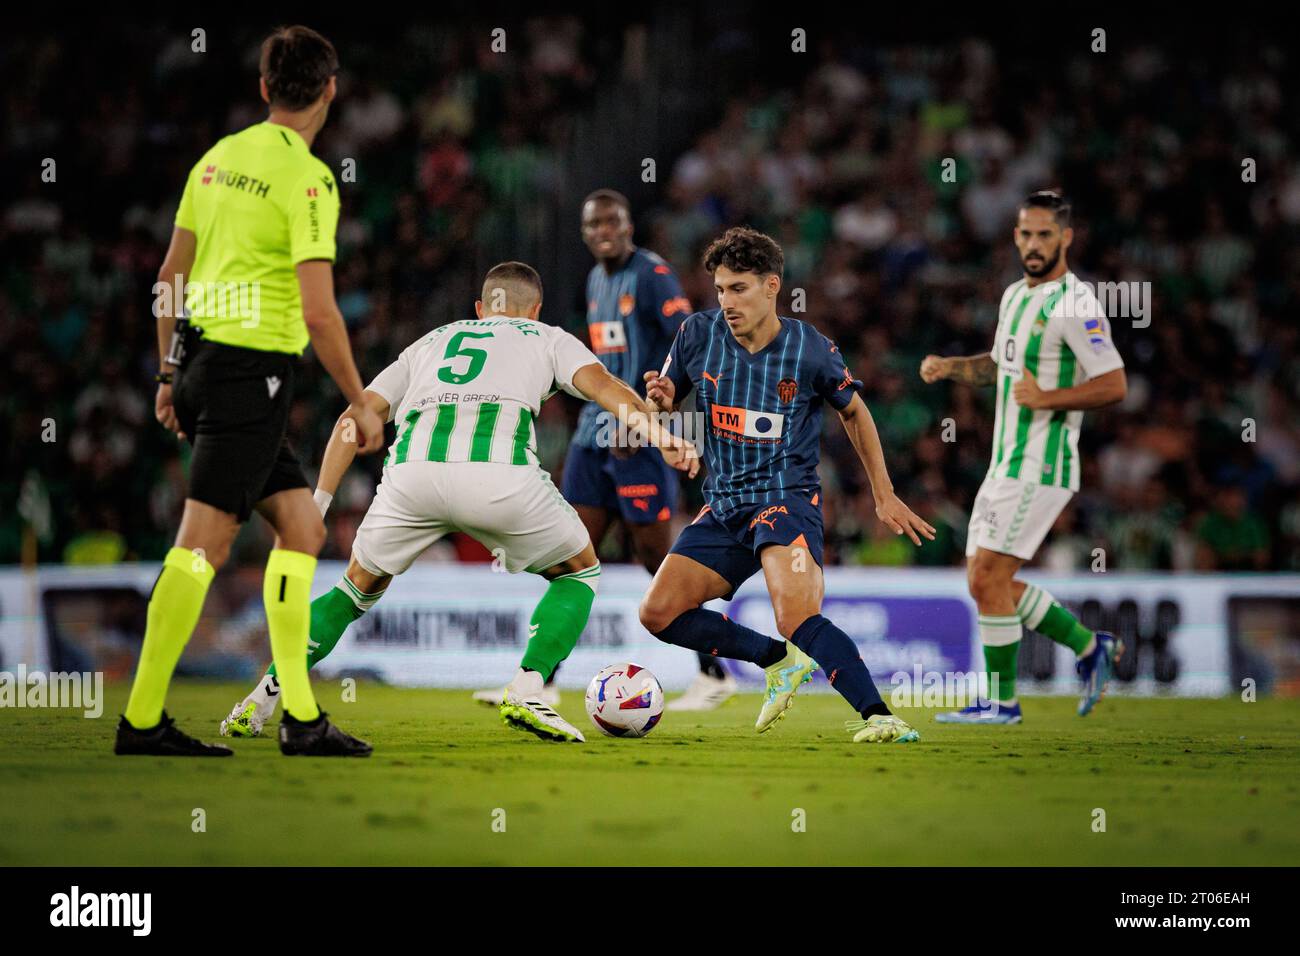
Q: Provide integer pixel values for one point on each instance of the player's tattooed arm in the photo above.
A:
(342, 448)
(969, 370)
(890, 509)
(639, 418)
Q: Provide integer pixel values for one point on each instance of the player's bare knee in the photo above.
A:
(306, 535)
(789, 618)
(651, 616)
(317, 537)
(985, 583)
(656, 614)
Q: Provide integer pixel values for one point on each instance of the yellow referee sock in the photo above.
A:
(286, 592)
(174, 609)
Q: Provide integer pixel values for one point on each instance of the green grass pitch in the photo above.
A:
(1181, 783)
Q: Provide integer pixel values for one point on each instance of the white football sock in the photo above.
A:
(265, 695)
(527, 684)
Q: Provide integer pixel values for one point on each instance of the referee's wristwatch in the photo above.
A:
(163, 378)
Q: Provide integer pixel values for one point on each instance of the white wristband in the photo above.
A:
(322, 499)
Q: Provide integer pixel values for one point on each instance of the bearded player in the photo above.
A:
(1052, 359)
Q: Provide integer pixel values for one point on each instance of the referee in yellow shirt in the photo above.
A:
(253, 249)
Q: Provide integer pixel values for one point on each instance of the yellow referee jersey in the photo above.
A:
(259, 203)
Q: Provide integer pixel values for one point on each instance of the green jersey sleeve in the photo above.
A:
(313, 216)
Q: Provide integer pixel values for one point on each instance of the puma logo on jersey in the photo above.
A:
(711, 378)
(272, 385)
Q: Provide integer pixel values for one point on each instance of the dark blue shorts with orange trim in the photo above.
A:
(641, 488)
(731, 545)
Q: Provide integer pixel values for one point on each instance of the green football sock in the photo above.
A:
(174, 609)
(558, 620)
(1041, 612)
(286, 593)
(331, 613)
(1000, 636)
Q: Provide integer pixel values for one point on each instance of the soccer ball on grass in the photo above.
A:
(625, 700)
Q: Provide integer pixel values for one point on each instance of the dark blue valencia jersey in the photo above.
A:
(632, 315)
(762, 412)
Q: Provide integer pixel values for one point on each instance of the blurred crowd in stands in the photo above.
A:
(459, 148)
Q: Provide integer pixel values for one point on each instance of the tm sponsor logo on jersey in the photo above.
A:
(747, 424)
(608, 337)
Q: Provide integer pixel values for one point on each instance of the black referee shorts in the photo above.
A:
(233, 406)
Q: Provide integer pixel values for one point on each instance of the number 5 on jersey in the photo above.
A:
(476, 358)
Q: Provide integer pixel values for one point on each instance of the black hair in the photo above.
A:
(297, 63)
(742, 249)
(1053, 201)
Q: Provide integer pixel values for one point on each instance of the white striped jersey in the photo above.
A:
(469, 391)
(1056, 330)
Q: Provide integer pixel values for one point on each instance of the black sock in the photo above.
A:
(840, 661)
(710, 633)
(711, 666)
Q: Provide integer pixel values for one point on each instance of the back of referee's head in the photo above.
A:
(297, 65)
(513, 289)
